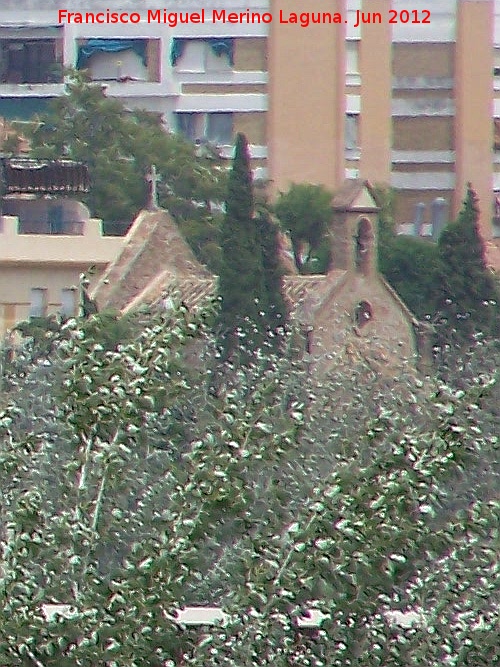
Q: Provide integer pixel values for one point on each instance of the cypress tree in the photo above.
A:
(241, 280)
(470, 296)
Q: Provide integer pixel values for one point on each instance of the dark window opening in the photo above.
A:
(215, 128)
(219, 128)
(190, 125)
(309, 341)
(364, 243)
(221, 46)
(55, 220)
(363, 314)
(25, 61)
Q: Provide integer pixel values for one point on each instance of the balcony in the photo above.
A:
(53, 227)
(120, 60)
(30, 90)
(422, 83)
(30, 61)
(89, 246)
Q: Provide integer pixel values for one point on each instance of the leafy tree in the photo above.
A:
(274, 306)
(119, 146)
(373, 539)
(356, 495)
(470, 298)
(411, 265)
(305, 211)
(241, 281)
(104, 457)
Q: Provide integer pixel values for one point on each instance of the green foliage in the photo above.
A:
(384, 198)
(411, 265)
(470, 297)
(305, 211)
(11, 144)
(133, 483)
(241, 280)
(448, 283)
(119, 146)
(203, 237)
(274, 305)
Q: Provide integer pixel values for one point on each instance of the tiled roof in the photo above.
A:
(492, 252)
(156, 263)
(297, 288)
(154, 247)
(303, 293)
(193, 292)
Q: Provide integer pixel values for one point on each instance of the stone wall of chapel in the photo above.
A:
(387, 337)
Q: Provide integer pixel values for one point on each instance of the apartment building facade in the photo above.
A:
(47, 241)
(39, 274)
(401, 92)
(207, 80)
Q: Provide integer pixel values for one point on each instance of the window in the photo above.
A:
(351, 131)
(68, 301)
(188, 55)
(364, 245)
(190, 125)
(309, 340)
(352, 58)
(220, 128)
(216, 128)
(30, 61)
(55, 216)
(209, 54)
(496, 62)
(363, 314)
(38, 303)
(496, 134)
(120, 59)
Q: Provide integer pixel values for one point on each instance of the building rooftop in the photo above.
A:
(28, 176)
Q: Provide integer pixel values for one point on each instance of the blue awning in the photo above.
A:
(110, 46)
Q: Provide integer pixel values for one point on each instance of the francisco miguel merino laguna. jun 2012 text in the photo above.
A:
(303, 19)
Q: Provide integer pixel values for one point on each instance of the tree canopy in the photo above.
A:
(132, 485)
(470, 297)
(274, 307)
(305, 211)
(120, 146)
(241, 280)
(447, 283)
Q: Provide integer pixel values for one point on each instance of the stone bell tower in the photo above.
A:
(353, 232)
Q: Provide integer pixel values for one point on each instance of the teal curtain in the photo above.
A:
(110, 46)
(221, 46)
